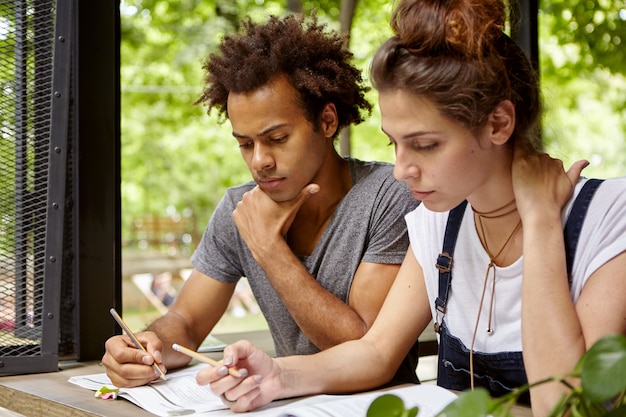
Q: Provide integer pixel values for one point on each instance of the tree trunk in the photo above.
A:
(345, 19)
(294, 6)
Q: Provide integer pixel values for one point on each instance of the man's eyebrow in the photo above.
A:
(262, 133)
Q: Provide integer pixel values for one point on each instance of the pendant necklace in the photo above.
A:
(490, 268)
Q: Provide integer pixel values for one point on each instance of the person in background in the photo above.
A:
(488, 258)
(243, 302)
(162, 287)
(319, 237)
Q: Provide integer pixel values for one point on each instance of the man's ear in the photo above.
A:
(329, 121)
(501, 122)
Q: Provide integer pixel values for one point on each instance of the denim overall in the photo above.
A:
(501, 372)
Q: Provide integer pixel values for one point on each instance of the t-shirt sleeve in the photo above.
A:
(217, 254)
(388, 241)
(603, 235)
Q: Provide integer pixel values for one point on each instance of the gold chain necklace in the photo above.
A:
(491, 267)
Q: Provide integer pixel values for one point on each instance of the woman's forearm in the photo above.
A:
(552, 337)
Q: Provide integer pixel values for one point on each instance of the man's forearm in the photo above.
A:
(172, 329)
(325, 319)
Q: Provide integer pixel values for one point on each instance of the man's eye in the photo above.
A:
(245, 145)
(279, 139)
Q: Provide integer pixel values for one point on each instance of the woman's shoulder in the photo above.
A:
(615, 184)
(603, 232)
(605, 211)
(610, 198)
(609, 192)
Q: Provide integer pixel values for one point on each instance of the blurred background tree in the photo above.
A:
(582, 49)
(177, 161)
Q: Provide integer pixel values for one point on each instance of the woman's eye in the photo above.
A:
(245, 145)
(428, 147)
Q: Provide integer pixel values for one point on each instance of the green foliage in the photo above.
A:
(601, 393)
(389, 405)
(176, 158)
(584, 87)
(603, 370)
(595, 29)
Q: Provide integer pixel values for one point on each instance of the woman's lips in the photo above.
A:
(421, 195)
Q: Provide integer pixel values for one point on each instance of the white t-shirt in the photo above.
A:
(603, 236)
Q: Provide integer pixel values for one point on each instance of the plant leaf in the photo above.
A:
(604, 368)
(468, 404)
(412, 412)
(618, 412)
(388, 405)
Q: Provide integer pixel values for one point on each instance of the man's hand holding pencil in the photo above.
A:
(133, 359)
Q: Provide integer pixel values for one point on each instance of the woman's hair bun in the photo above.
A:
(466, 28)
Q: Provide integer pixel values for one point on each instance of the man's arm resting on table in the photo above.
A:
(199, 306)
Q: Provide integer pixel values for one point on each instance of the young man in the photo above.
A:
(319, 237)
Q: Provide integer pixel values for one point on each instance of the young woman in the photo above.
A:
(488, 260)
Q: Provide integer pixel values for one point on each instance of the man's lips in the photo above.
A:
(269, 183)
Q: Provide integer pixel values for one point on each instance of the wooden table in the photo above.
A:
(50, 394)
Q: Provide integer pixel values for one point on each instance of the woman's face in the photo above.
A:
(441, 161)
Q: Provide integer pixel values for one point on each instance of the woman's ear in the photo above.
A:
(501, 122)
(329, 120)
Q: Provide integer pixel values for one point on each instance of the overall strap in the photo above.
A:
(573, 227)
(444, 261)
(575, 221)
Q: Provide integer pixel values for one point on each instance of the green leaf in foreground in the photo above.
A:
(469, 404)
(390, 405)
(604, 368)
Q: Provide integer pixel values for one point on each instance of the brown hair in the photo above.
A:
(455, 53)
(316, 63)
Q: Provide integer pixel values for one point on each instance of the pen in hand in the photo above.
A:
(136, 341)
(204, 359)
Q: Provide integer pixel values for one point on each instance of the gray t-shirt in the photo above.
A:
(368, 225)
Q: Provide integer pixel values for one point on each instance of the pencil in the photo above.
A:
(203, 359)
(136, 341)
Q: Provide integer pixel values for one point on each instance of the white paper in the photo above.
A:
(430, 399)
(180, 395)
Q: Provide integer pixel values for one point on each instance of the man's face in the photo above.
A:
(280, 146)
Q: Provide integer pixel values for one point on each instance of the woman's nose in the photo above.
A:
(404, 167)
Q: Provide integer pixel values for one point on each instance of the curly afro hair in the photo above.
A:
(316, 63)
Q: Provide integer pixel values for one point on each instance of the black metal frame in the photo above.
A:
(78, 269)
(525, 33)
(97, 240)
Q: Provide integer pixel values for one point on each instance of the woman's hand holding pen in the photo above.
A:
(244, 394)
(128, 366)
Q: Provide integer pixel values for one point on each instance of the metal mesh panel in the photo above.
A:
(26, 46)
